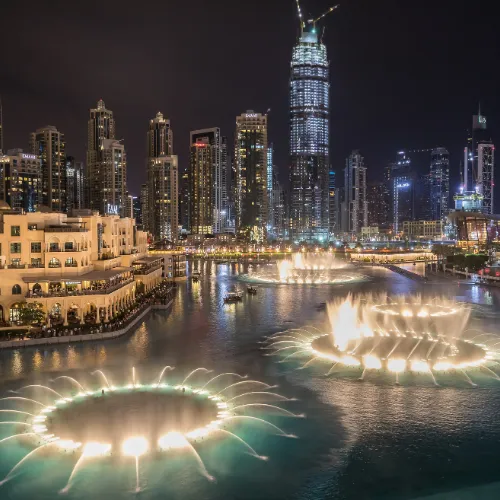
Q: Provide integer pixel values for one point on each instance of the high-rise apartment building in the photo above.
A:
(20, 180)
(163, 197)
(250, 159)
(144, 207)
(226, 177)
(201, 186)
(212, 137)
(378, 205)
(106, 163)
(479, 163)
(75, 190)
(48, 144)
(355, 206)
(270, 191)
(439, 183)
(332, 203)
(160, 137)
(309, 138)
(401, 179)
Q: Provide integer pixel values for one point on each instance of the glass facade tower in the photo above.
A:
(309, 139)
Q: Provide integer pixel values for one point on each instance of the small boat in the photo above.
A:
(195, 276)
(252, 289)
(232, 297)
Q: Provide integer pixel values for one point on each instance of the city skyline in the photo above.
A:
(392, 102)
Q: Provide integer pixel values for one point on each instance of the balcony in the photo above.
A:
(58, 249)
(145, 270)
(86, 291)
(65, 229)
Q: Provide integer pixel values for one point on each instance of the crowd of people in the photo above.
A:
(162, 294)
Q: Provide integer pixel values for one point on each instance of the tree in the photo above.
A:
(444, 250)
(31, 313)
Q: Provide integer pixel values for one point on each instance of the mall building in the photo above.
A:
(81, 269)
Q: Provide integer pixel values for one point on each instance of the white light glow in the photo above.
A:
(172, 440)
(135, 446)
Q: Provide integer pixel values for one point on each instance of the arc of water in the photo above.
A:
(244, 443)
(267, 386)
(265, 405)
(201, 369)
(274, 394)
(309, 362)
(18, 435)
(413, 350)
(492, 346)
(13, 422)
(271, 346)
(468, 379)
(431, 348)
(394, 348)
(72, 380)
(363, 374)
(222, 375)
(137, 487)
(196, 455)
(103, 375)
(281, 432)
(18, 412)
(495, 375)
(294, 354)
(23, 399)
(482, 335)
(168, 367)
(26, 457)
(331, 368)
(76, 468)
(432, 375)
(38, 386)
(284, 349)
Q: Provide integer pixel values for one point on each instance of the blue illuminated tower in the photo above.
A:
(309, 136)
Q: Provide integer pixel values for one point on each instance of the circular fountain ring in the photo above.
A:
(304, 277)
(412, 352)
(114, 416)
(415, 310)
(168, 415)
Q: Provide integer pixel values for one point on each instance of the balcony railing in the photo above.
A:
(54, 266)
(72, 293)
(59, 249)
(65, 230)
(143, 271)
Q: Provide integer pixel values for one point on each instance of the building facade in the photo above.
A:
(75, 178)
(106, 163)
(355, 206)
(163, 197)
(80, 270)
(424, 229)
(214, 142)
(201, 186)
(440, 183)
(250, 151)
(378, 205)
(309, 138)
(48, 144)
(20, 180)
(160, 137)
(401, 180)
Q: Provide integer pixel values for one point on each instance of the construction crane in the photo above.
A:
(314, 21)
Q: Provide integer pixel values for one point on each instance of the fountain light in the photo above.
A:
(135, 446)
(396, 365)
(172, 440)
(96, 449)
(419, 365)
(372, 362)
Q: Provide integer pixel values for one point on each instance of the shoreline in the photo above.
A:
(71, 339)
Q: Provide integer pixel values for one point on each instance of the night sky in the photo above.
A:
(404, 74)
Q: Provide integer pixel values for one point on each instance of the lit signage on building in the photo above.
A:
(403, 185)
(251, 115)
(28, 156)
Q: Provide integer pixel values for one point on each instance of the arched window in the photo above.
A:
(14, 313)
(70, 262)
(16, 290)
(53, 262)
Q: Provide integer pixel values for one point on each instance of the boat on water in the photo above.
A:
(232, 297)
(195, 276)
(251, 289)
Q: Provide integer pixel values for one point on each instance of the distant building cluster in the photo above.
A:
(233, 188)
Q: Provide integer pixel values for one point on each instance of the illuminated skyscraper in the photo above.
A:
(250, 159)
(309, 138)
(106, 163)
(355, 206)
(200, 181)
(215, 183)
(440, 183)
(75, 183)
(48, 144)
(160, 140)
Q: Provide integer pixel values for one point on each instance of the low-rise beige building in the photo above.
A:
(81, 269)
(424, 229)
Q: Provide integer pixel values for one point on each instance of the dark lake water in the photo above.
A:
(358, 440)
